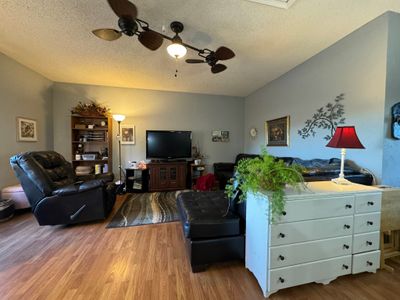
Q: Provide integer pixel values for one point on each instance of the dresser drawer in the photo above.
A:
(366, 203)
(282, 256)
(309, 272)
(367, 222)
(366, 262)
(366, 242)
(299, 210)
(303, 231)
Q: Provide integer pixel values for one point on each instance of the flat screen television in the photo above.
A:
(164, 144)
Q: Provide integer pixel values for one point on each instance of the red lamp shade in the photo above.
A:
(345, 137)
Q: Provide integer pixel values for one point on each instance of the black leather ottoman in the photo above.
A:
(211, 235)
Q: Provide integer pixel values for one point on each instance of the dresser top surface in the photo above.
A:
(330, 188)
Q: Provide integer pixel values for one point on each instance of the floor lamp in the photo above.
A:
(344, 137)
(119, 119)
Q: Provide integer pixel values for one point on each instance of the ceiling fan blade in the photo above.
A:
(150, 39)
(224, 53)
(123, 8)
(107, 34)
(218, 68)
(195, 61)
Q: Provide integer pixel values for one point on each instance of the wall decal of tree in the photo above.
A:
(327, 117)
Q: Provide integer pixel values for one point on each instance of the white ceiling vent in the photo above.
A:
(276, 3)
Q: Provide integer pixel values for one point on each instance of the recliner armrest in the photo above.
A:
(78, 187)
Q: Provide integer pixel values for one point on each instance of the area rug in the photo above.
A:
(146, 208)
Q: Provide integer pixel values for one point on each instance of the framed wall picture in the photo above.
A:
(277, 132)
(127, 134)
(26, 130)
(220, 136)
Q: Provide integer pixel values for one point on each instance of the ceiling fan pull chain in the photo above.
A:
(176, 68)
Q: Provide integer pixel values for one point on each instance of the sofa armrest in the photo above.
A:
(222, 166)
(78, 187)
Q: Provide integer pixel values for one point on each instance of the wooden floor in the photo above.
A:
(144, 262)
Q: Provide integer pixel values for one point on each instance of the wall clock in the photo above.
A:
(253, 132)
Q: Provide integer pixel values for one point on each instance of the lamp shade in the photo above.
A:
(176, 50)
(345, 137)
(119, 118)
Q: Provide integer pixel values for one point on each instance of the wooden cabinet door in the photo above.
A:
(177, 179)
(182, 176)
(153, 177)
(173, 176)
(163, 177)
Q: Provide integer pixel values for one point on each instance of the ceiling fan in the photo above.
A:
(130, 25)
(212, 57)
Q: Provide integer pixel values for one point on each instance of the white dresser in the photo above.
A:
(326, 231)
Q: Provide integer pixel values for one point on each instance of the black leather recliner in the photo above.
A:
(55, 196)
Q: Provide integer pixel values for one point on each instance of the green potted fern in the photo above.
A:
(265, 174)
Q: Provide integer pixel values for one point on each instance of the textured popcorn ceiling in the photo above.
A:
(277, 3)
(54, 38)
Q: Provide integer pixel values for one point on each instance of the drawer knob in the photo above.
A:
(345, 266)
(369, 263)
(370, 203)
(346, 226)
(370, 223)
(348, 206)
(281, 280)
(369, 243)
(282, 235)
(346, 246)
(283, 213)
(281, 257)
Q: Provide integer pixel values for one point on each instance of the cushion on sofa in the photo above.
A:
(203, 215)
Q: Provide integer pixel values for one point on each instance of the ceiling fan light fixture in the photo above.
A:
(176, 50)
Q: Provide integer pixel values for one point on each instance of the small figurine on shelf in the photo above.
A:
(142, 165)
(196, 155)
(77, 155)
(104, 152)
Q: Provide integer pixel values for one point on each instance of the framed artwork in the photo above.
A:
(127, 134)
(220, 136)
(277, 132)
(26, 130)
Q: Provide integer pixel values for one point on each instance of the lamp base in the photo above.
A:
(341, 180)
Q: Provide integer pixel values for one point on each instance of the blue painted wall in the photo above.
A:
(356, 66)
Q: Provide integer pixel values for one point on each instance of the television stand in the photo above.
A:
(167, 176)
(172, 160)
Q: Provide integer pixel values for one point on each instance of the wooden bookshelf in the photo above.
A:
(96, 140)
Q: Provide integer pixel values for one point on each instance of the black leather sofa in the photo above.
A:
(212, 232)
(55, 195)
(315, 169)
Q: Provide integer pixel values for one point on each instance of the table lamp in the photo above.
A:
(345, 137)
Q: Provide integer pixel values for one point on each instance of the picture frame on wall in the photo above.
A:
(277, 132)
(26, 130)
(220, 136)
(128, 134)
